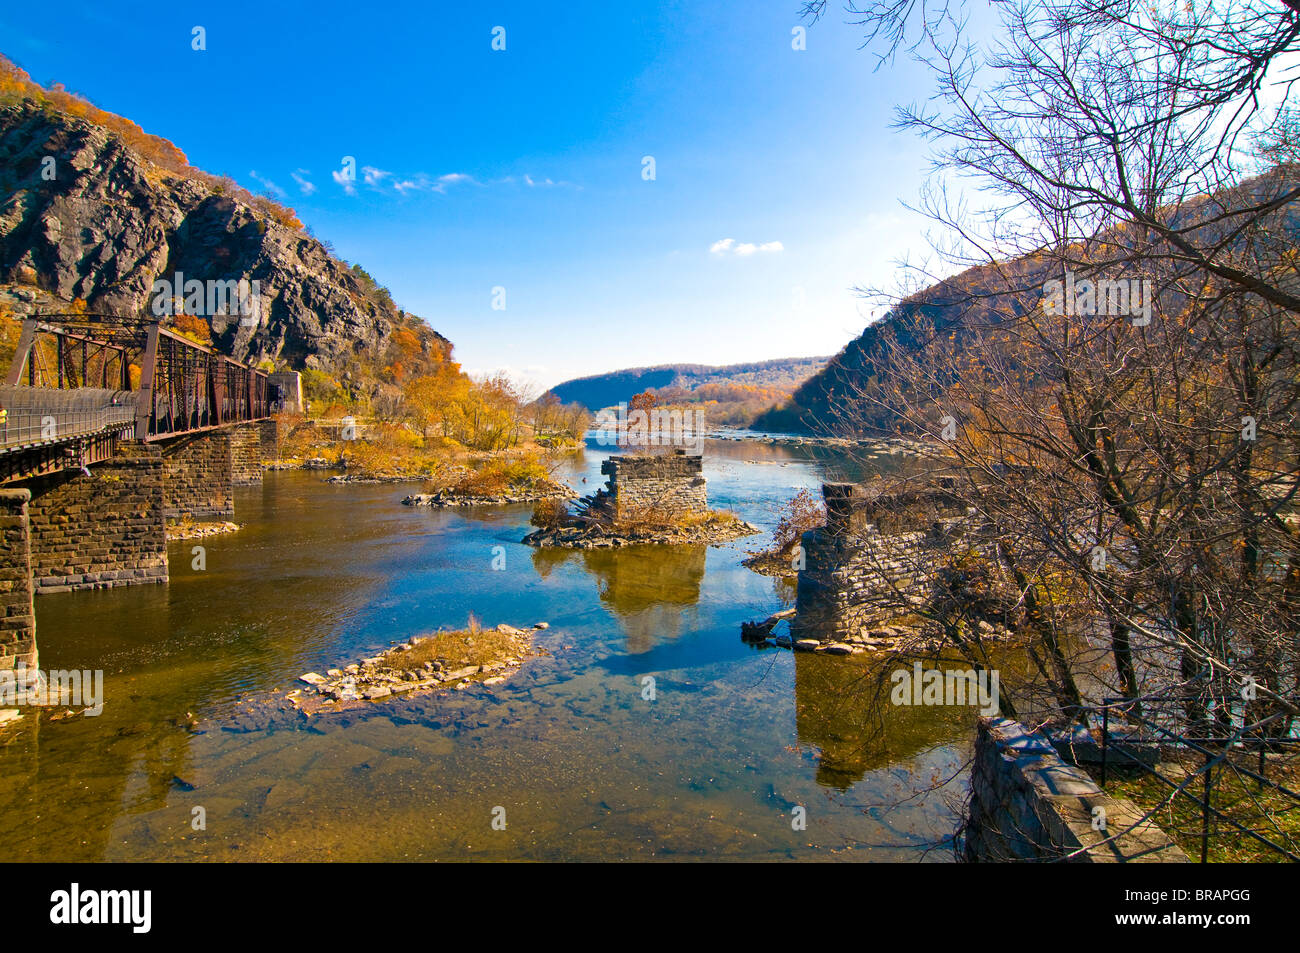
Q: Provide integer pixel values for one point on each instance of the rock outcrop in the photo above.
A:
(102, 222)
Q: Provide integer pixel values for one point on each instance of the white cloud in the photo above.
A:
(546, 183)
(268, 185)
(451, 178)
(744, 249)
(348, 183)
(419, 182)
(304, 183)
(382, 179)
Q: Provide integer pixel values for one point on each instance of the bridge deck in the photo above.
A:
(43, 415)
(167, 386)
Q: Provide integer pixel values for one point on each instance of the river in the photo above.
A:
(582, 765)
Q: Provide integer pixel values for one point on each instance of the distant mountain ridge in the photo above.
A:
(690, 382)
(1008, 288)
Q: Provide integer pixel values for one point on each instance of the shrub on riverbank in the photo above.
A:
(551, 514)
(499, 476)
(802, 513)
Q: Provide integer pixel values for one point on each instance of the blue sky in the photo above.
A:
(522, 169)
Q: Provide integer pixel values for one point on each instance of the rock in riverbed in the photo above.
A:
(556, 491)
(444, 660)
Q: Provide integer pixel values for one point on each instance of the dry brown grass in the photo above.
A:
(649, 517)
(461, 648)
(1253, 806)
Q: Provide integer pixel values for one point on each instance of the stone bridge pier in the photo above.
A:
(18, 626)
(201, 470)
(199, 480)
(873, 561)
(106, 525)
(250, 444)
(99, 528)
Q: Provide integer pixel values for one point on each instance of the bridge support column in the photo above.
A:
(199, 482)
(875, 561)
(18, 625)
(101, 530)
(250, 444)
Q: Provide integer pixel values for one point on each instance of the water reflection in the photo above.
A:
(649, 588)
(74, 779)
(842, 707)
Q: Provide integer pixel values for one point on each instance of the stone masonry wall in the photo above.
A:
(671, 483)
(18, 625)
(1027, 804)
(871, 562)
(853, 583)
(250, 444)
(198, 477)
(102, 530)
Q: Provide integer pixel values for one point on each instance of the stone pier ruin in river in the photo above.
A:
(876, 561)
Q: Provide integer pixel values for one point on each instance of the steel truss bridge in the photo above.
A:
(80, 382)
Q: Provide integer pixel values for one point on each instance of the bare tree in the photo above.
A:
(1134, 460)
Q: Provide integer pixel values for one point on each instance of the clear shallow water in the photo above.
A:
(584, 767)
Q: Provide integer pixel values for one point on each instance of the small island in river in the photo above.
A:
(648, 498)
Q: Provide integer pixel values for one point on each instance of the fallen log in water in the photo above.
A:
(758, 631)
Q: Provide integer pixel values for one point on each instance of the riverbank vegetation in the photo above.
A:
(783, 557)
(447, 407)
(388, 452)
(471, 436)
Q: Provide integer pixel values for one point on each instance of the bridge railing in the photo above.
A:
(44, 415)
(182, 387)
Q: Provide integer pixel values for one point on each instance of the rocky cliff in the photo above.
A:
(86, 215)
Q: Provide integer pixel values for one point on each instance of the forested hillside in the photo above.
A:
(735, 393)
